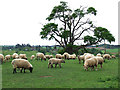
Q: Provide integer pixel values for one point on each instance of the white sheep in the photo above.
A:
(23, 56)
(91, 62)
(66, 55)
(74, 56)
(40, 56)
(21, 63)
(51, 56)
(7, 57)
(81, 57)
(113, 56)
(107, 56)
(87, 56)
(47, 56)
(15, 55)
(58, 56)
(1, 58)
(99, 55)
(55, 61)
(32, 57)
(100, 60)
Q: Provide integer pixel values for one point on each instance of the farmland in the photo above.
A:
(71, 75)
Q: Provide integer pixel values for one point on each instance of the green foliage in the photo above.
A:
(92, 10)
(89, 39)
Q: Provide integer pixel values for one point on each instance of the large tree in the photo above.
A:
(73, 25)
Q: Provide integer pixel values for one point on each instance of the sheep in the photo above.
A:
(74, 56)
(66, 55)
(55, 61)
(99, 55)
(15, 55)
(81, 57)
(107, 56)
(32, 57)
(87, 56)
(47, 56)
(40, 56)
(113, 56)
(58, 56)
(21, 63)
(23, 56)
(62, 56)
(51, 56)
(100, 60)
(7, 57)
(91, 62)
(1, 58)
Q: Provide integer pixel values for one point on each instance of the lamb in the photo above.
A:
(100, 60)
(32, 57)
(113, 56)
(7, 57)
(81, 57)
(58, 56)
(40, 56)
(21, 63)
(99, 55)
(1, 58)
(55, 61)
(66, 55)
(107, 56)
(91, 62)
(51, 56)
(23, 56)
(15, 55)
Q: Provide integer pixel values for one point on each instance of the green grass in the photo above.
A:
(71, 75)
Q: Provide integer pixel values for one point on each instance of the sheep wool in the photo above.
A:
(1, 58)
(55, 61)
(21, 63)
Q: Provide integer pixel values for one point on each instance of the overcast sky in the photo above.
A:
(20, 19)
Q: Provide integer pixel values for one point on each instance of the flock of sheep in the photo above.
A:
(89, 60)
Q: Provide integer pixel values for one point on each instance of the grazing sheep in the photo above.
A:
(23, 56)
(66, 55)
(1, 58)
(40, 56)
(100, 60)
(99, 55)
(91, 62)
(47, 56)
(81, 57)
(15, 55)
(7, 57)
(58, 56)
(55, 61)
(51, 56)
(22, 64)
(113, 56)
(106, 56)
(74, 56)
(62, 56)
(87, 56)
(32, 57)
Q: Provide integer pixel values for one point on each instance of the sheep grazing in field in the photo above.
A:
(55, 61)
(51, 56)
(15, 56)
(99, 55)
(74, 56)
(100, 60)
(47, 56)
(106, 56)
(21, 63)
(81, 57)
(91, 62)
(1, 58)
(32, 57)
(7, 57)
(66, 55)
(23, 56)
(113, 56)
(87, 56)
(62, 56)
(40, 56)
(58, 56)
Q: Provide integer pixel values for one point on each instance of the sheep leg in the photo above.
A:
(96, 67)
(101, 65)
(51, 65)
(55, 65)
(24, 70)
(14, 70)
(59, 65)
(21, 70)
(48, 65)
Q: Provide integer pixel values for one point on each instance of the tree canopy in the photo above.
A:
(73, 25)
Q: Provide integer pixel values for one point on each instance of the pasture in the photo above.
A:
(71, 75)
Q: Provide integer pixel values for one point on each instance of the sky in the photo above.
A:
(21, 20)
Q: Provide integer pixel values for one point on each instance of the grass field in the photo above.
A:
(71, 75)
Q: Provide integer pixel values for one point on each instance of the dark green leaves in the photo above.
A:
(92, 10)
(89, 39)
